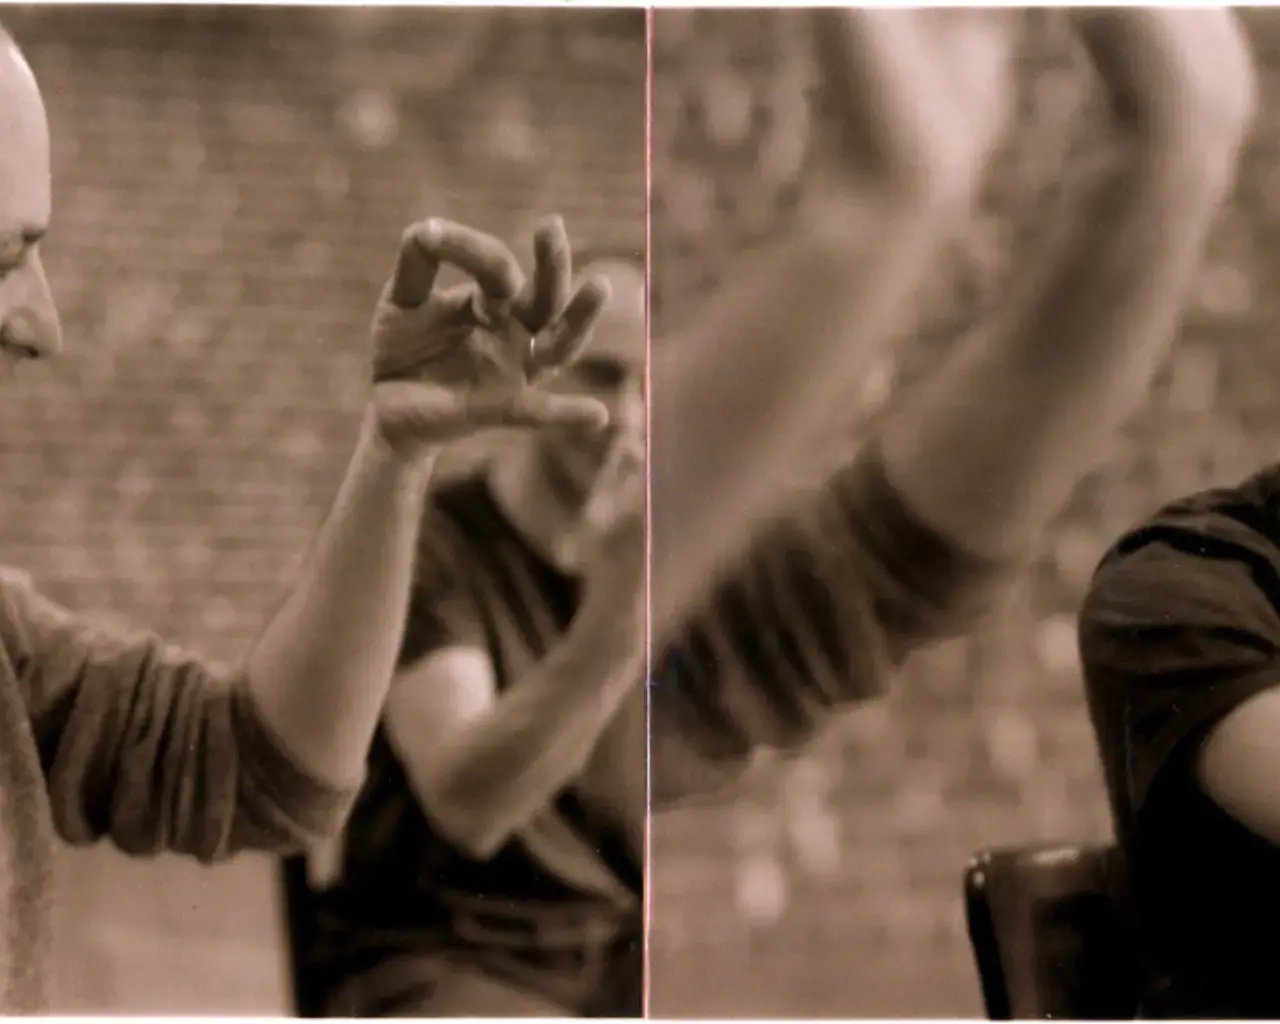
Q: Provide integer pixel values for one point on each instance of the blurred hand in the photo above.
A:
(916, 98)
(1177, 76)
(448, 363)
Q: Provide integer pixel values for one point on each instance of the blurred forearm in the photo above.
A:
(990, 447)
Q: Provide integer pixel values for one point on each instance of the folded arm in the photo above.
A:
(485, 765)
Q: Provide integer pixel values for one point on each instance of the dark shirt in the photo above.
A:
(105, 735)
(404, 889)
(827, 604)
(1182, 625)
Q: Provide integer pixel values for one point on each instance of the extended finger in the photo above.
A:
(564, 341)
(484, 258)
(545, 296)
(417, 265)
(533, 408)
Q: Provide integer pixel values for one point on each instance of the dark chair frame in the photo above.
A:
(1015, 897)
(295, 885)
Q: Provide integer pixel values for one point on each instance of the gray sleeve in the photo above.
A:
(148, 746)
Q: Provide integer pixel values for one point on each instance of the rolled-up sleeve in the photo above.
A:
(825, 606)
(148, 746)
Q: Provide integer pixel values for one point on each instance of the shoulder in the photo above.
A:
(1179, 628)
(1181, 621)
(1211, 557)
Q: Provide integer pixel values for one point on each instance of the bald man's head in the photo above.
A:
(28, 320)
(620, 333)
(611, 369)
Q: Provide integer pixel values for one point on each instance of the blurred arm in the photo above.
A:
(990, 447)
(785, 341)
(828, 603)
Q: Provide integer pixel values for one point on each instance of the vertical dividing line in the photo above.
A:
(648, 493)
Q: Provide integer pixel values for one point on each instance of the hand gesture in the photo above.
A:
(449, 363)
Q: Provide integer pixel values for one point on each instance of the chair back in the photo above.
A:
(1053, 934)
(299, 930)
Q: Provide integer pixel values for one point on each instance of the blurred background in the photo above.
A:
(230, 188)
(834, 888)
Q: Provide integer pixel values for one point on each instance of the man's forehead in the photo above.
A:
(626, 282)
(25, 188)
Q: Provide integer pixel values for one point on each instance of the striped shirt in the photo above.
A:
(817, 616)
(404, 891)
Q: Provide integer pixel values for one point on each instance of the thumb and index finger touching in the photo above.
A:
(560, 322)
(429, 244)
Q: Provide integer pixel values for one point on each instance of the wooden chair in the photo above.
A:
(1052, 934)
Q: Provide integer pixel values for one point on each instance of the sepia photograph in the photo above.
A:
(547, 512)
(964, 596)
(323, 339)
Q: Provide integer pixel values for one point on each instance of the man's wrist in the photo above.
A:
(380, 456)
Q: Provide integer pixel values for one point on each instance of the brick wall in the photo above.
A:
(835, 889)
(230, 185)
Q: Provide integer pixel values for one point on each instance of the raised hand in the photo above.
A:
(1179, 78)
(448, 363)
(914, 99)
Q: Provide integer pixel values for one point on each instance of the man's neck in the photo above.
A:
(540, 515)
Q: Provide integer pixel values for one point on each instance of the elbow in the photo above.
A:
(478, 837)
(473, 826)
(484, 844)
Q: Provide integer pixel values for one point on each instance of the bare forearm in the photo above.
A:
(991, 447)
(509, 765)
(321, 670)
